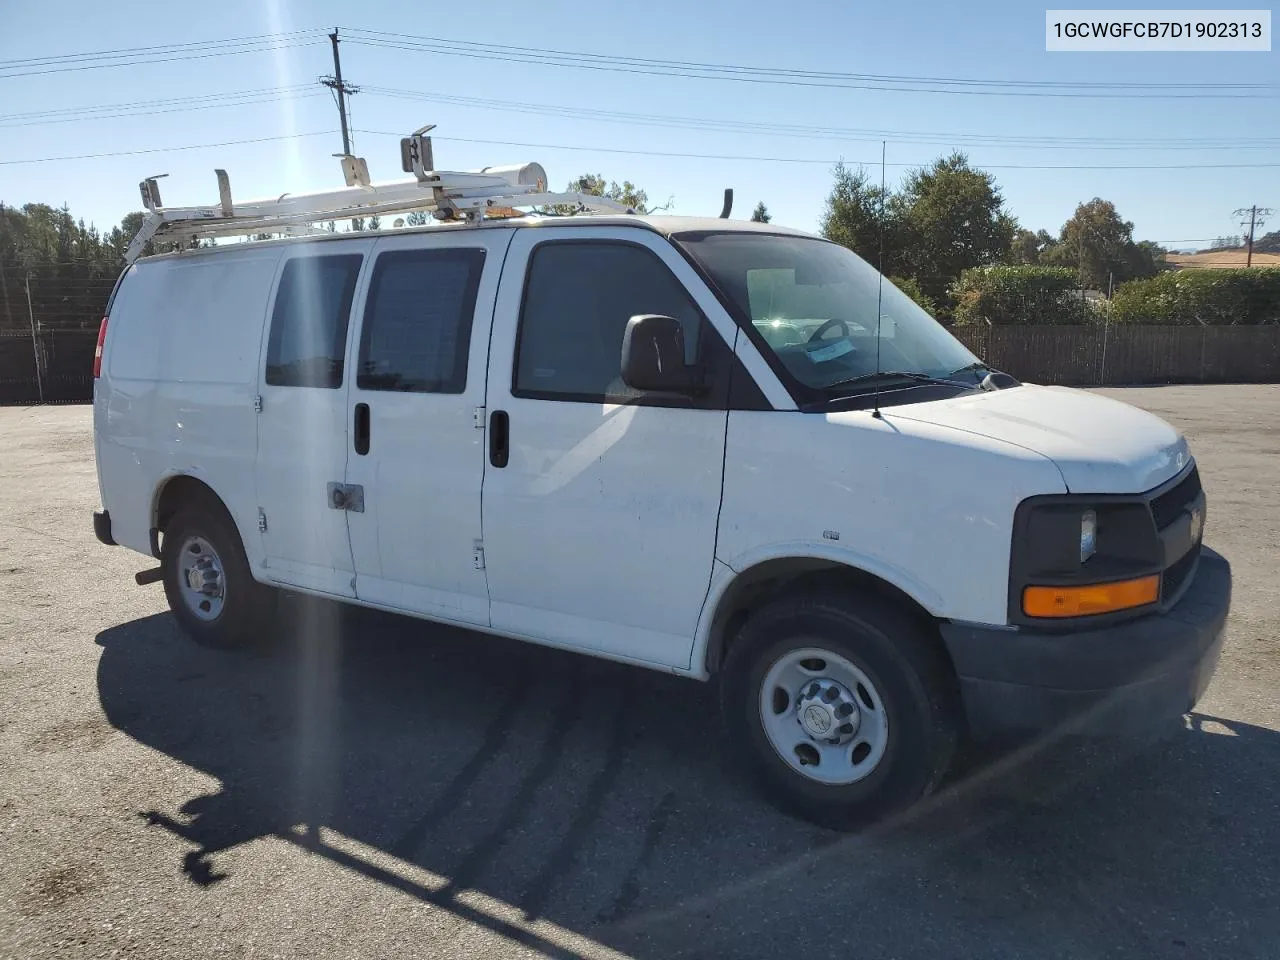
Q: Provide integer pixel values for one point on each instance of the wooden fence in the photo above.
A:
(1072, 356)
(1128, 354)
(56, 367)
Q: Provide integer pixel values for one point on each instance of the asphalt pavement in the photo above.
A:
(371, 786)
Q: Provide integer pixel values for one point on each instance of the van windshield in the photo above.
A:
(813, 303)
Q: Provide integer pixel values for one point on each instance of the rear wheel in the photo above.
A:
(840, 707)
(207, 579)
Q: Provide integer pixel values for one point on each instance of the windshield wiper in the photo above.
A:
(973, 368)
(894, 375)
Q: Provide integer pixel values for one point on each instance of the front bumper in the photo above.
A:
(1125, 678)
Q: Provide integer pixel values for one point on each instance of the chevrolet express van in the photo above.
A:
(721, 449)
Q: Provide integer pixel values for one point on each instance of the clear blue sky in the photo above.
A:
(990, 40)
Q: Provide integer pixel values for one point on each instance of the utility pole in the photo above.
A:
(35, 343)
(1255, 215)
(341, 91)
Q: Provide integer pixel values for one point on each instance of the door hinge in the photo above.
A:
(479, 418)
(478, 554)
(262, 520)
(257, 404)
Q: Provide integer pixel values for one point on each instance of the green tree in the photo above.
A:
(416, 218)
(760, 214)
(1231, 297)
(1147, 259)
(68, 267)
(1099, 244)
(121, 236)
(375, 222)
(912, 290)
(593, 184)
(950, 218)
(1025, 248)
(854, 214)
(1027, 294)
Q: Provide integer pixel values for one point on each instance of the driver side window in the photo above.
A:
(579, 296)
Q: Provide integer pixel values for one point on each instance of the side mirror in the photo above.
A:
(653, 355)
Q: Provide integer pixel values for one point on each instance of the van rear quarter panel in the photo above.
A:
(180, 374)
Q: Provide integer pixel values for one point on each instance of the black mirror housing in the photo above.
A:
(653, 355)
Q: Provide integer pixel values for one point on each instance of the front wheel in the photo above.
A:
(207, 579)
(840, 707)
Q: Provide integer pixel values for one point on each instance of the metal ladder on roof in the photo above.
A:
(466, 196)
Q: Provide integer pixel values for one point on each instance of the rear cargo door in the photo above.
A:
(303, 429)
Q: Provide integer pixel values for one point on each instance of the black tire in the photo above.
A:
(915, 685)
(247, 606)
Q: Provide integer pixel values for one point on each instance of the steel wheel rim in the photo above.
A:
(803, 703)
(202, 580)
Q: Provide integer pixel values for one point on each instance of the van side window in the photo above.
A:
(308, 336)
(417, 322)
(578, 297)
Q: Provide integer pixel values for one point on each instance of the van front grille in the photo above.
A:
(1177, 574)
(1166, 507)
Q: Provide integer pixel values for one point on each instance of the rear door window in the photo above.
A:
(309, 322)
(417, 321)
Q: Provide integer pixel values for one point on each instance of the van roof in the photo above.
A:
(663, 224)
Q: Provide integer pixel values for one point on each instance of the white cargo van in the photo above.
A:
(716, 448)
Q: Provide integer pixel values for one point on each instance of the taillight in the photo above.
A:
(97, 352)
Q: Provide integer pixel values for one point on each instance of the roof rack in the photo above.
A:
(446, 195)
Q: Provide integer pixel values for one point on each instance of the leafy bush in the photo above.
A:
(912, 289)
(1019, 295)
(1244, 296)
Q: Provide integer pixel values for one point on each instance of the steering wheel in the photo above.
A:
(829, 325)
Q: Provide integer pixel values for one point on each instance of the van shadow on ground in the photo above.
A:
(598, 796)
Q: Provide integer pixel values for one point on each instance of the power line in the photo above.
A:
(826, 133)
(138, 56)
(650, 153)
(807, 78)
(194, 98)
(136, 51)
(826, 74)
(190, 146)
(157, 107)
(827, 161)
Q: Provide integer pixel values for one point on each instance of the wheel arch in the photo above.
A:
(749, 589)
(178, 490)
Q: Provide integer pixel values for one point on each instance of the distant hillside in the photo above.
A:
(1268, 243)
(1221, 259)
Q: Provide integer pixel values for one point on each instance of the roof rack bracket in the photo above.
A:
(224, 193)
(355, 170)
(151, 192)
(416, 154)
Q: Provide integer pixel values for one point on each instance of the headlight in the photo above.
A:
(1088, 534)
(1078, 556)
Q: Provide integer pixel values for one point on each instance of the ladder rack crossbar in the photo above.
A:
(447, 194)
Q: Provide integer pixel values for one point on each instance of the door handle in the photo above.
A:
(360, 431)
(499, 438)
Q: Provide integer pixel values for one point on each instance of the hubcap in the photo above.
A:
(823, 716)
(201, 578)
(828, 711)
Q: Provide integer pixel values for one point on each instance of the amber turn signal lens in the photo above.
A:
(1091, 599)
